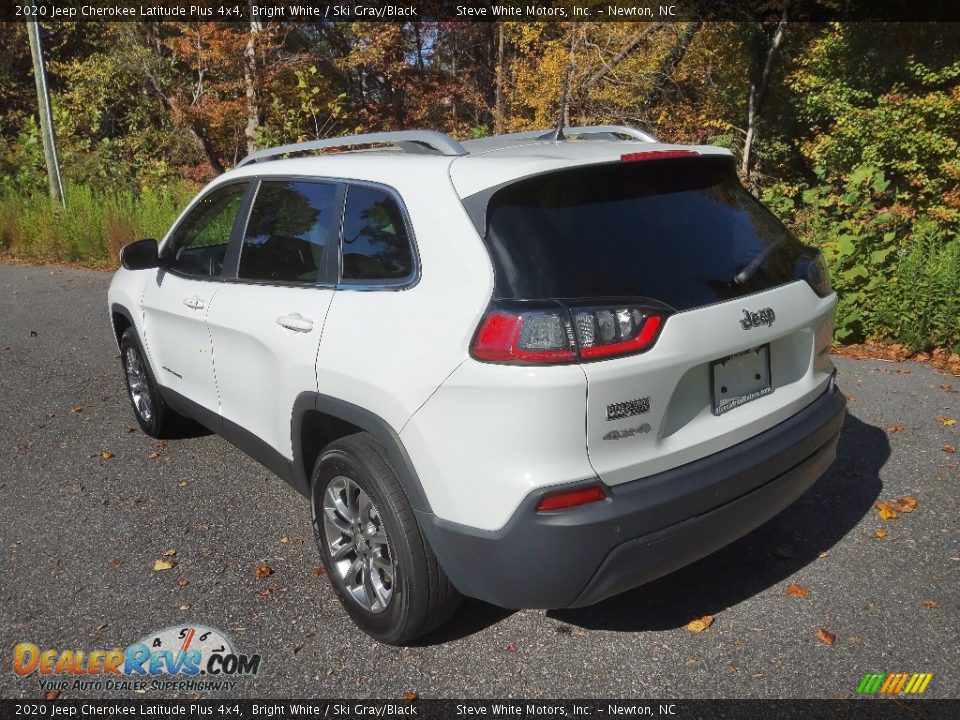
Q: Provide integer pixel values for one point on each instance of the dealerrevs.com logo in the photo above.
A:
(184, 658)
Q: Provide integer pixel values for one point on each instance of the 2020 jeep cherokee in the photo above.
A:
(533, 371)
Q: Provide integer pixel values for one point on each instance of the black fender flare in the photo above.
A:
(367, 421)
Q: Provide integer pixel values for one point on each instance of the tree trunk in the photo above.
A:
(249, 82)
(46, 116)
(757, 91)
(669, 63)
(498, 109)
(621, 56)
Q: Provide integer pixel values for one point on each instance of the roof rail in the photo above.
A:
(599, 132)
(420, 142)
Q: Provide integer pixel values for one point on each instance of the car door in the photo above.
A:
(175, 303)
(267, 319)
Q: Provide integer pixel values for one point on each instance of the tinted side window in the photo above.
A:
(375, 242)
(200, 242)
(288, 232)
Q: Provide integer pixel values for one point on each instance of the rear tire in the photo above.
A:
(381, 568)
(154, 416)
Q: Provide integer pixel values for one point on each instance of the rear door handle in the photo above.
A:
(194, 302)
(296, 322)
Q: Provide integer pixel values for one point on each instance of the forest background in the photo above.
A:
(849, 132)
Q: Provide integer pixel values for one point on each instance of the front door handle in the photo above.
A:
(194, 302)
(296, 322)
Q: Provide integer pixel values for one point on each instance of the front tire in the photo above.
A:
(381, 568)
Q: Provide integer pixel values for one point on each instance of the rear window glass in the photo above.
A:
(375, 243)
(288, 232)
(676, 231)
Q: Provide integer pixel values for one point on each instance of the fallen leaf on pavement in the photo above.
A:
(905, 504)
(161, 565)
(885, 511)
(263, 571)
(153, 455)
(106, 454)
(931, 604)
(183, 483)
(948, 388)
(794, 590)
(903, 372)
(895, 428)
(115, 562)
(76, 409)
(949, 448)
(170, 552)
(700, 624)
(946, 421)
(511, 648)
(880, 534)
(319, 571)
(51, 694)
(825, 636)
(409, 696)
(185, 606)
(284, 539)
(183, 582)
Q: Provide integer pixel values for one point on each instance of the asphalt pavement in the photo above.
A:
(88, 504)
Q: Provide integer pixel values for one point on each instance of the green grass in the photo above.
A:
(93, 227)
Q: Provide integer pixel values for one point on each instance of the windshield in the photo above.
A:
(675, 230)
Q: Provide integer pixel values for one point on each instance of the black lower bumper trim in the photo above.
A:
(646, 528)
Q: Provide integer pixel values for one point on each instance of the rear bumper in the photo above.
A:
(646, 528)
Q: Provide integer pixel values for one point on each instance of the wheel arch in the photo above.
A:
(120, 319)
(320, 419)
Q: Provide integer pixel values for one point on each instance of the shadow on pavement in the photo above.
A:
(793, 539)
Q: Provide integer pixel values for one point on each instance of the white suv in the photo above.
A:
(530, 369)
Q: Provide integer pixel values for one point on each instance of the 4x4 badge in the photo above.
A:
(766, 316)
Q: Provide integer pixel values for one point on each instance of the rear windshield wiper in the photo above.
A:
(748, 271)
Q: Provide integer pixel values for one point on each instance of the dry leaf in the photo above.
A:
(949, 448)
(50, 694)
(183, 483)
(161, 565)
(170, 552)
(185, 606)
(409, 696)
(825, 553)
(511, 648)
(903, 372)
(161, 444)
(153, 455)
(825, 636)
(946, 421)
(284, 539)
(106, 454)
(931, 604)
(115, 562)
(319, 571)
(895, 428)
(905, 504)
(358, 682)
(700, 624)
(794, 590)
(183, 582)
(263, 571)
(880, 534)
(76, 409)
(885, 511)
(264, 593)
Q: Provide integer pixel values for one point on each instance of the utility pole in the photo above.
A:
(46, 117)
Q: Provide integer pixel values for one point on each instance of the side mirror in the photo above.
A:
(140, 255)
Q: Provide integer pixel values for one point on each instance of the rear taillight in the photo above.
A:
(606, 332)
(532, 337)
(565, 499)
(562, 336)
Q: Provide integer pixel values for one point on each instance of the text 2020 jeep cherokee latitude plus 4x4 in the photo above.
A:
(537, 372)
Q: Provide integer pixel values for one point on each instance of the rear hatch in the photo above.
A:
(697, 319)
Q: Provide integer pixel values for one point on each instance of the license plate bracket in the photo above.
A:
(740, 378)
